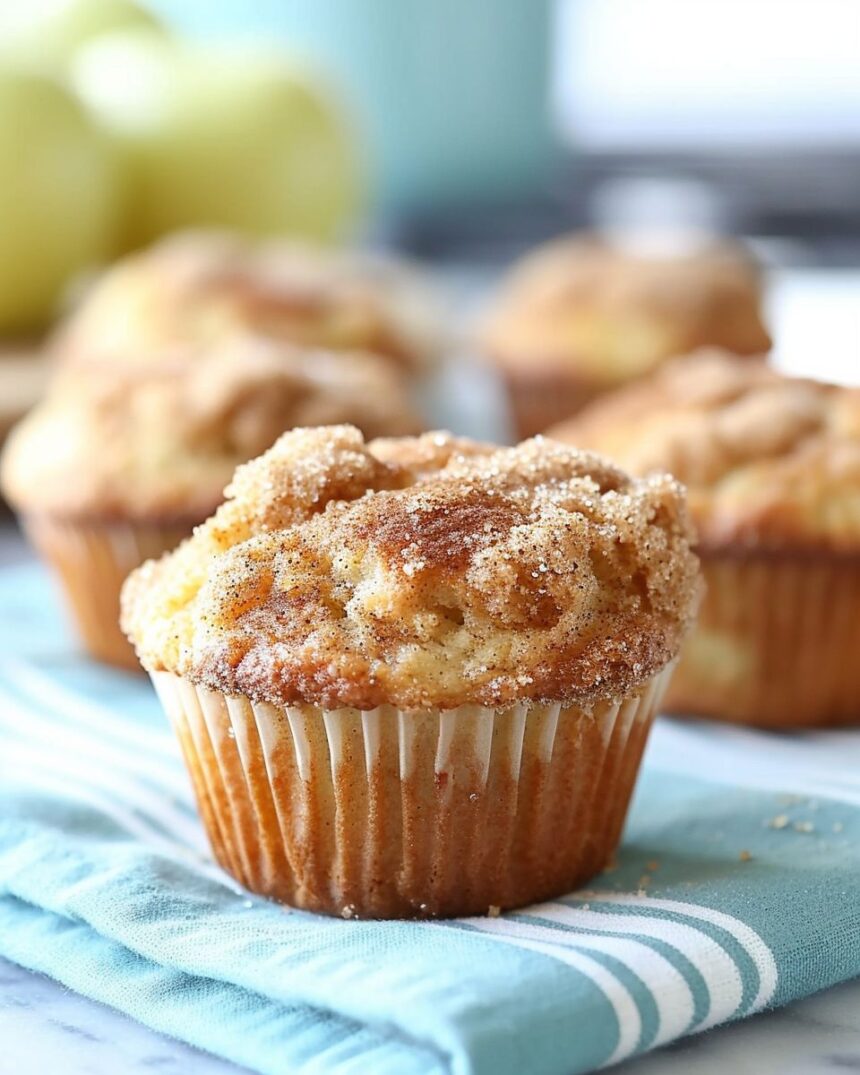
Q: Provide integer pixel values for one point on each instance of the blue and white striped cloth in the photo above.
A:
(737, 888)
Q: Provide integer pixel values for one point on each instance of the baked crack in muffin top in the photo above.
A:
(422, 573)
(768, 460)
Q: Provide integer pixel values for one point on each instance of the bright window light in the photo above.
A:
(708, 73)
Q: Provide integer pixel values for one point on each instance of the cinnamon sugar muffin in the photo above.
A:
(200, 287)
(580, 316)
(415, 677)
(118, 465)
(772, 466)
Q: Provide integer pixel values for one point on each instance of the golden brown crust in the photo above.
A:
(607, 314)
(199, 288)
(160, 441)
(769, 461)
(432, 573)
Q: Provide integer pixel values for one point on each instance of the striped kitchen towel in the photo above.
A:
(737, 888)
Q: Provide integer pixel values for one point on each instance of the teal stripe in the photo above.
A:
(690, 974)
(603, 1029)
(750, 978)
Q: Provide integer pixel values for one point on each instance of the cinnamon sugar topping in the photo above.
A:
(160, 440)
(768, 459)
(428, 572)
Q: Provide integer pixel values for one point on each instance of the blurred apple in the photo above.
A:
(59, 196)
(47, 33)
(212, 135)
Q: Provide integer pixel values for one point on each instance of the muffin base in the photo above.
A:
(393, 814)
(777, 643)
(540, 399)
(91, 559)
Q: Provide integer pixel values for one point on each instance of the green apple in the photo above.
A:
(59, 196)
(222, 136)
(47, 33)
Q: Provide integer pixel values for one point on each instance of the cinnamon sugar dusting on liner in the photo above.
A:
(427, 572)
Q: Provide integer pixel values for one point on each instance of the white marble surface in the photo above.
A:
(44, 1027)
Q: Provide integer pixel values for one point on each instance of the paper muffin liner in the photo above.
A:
(390, 813)
(91, 561)
(777, 643)
(538, 400)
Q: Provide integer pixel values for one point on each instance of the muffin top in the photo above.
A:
(158, 442)
(422, 573)
(583, 304)
(769, 460)
(199, 287)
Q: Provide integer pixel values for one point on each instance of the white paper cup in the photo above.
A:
(391, 813)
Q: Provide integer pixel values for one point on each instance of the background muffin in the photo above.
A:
(117, 465)
(416, 677)
(772, 466)
(199, 287)
(580, 316)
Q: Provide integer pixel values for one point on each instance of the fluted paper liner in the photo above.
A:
(777, 643)
(91, 561)
(389, 813)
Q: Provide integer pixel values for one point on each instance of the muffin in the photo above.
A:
(24, 374)
(772, 466)
(580, 316)
(200, 287)
(118, 465)
(415, 677)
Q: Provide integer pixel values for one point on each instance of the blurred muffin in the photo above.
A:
(200, 287)
(580, 316)
(118, 465)
(24, 375)
(772, 466)
(415, 677)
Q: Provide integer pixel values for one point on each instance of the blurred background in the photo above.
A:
(461, 134)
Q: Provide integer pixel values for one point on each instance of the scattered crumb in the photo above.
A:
(585, 907)
(644, 881)
(804, 826)
(778, 822)
(745, 856)
(641, 892)
(652, 866)
(838, 826)
(493, 911)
